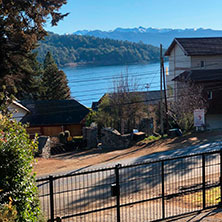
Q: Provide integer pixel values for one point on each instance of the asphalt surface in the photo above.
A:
(208, 147)
(95, 188)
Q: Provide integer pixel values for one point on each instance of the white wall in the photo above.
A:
(178, 63)
(210, 62)
(17, 112)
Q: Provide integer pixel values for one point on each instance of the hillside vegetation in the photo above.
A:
(77, 49)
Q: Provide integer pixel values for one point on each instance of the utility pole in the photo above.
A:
(165, 95)
(161, 91)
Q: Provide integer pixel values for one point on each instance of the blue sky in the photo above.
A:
(110, 14)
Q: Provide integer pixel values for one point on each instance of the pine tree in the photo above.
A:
(54, 81)
(30, 87)
(21, 27)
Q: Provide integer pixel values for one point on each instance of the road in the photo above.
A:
(142, 182)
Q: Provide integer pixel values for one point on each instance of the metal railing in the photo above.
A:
(149, 191)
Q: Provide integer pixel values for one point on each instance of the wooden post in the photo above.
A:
(165, 96)
(161, 90)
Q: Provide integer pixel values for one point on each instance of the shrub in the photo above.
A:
(8, 212)
(16, 159)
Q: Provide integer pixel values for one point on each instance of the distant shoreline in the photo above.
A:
(82, 64)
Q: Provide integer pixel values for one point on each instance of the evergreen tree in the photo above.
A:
(21, 27)
(31, 86)
(48, 60)
(54, 81)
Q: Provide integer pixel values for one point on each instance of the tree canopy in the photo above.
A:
(54, 81)
(78, 49)
(21, 27)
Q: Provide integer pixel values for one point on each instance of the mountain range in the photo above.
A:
(151, 36)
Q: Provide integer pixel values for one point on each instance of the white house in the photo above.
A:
(198, 60)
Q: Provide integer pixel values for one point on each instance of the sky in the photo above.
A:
(110, 14)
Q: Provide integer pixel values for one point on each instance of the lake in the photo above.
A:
(89, 83)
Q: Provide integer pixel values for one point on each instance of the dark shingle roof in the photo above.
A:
(200, 75)
(54, 112)
(198, 46)
(151, 97)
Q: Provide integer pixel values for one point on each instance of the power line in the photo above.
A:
(72, 108)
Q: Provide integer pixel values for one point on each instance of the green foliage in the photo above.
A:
(22, 26)
(152, 138)
(8, 211)
(54, 81)
(16, 159)
(31, 86)
(68, 49)
(104, 114)
(91, 117)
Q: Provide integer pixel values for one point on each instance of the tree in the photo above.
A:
(21, 27)
(31, 86)
(123, 108)
(17, 184)
(189, 96)
(54, 81)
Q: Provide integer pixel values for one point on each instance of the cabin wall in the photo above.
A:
(75, 130)
(178, 63)
(210, 62)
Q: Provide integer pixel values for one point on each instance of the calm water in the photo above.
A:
(89, 83)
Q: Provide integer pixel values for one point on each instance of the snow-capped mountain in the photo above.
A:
(150, 35)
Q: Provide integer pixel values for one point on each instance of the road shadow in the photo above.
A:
(138, 182)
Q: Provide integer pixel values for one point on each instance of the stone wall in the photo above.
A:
(44, 146)
(90, 135)
(111, 138)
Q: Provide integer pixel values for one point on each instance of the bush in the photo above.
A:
(17, 181)
(8, 212)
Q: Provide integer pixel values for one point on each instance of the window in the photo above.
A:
(209, 95)
(202, 64)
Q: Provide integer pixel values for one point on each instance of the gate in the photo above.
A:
(149, 191)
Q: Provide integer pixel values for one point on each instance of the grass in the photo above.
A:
(155, 138)
(212, 197)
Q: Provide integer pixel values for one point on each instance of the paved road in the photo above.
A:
(95, 188)
(166, 154)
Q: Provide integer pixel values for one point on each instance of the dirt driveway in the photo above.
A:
(86, 158)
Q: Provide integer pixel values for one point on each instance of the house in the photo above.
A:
(198, 60)
(17, 110)
(148, 100)
(146, 97)
(50, 117)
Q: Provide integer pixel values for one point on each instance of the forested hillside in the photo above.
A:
(71, 49)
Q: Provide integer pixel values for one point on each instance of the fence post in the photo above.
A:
(203, 181)
(163, 195)
(51, 198)
(118, 192)
(220, 177)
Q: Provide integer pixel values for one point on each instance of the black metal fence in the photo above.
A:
(150, 191)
